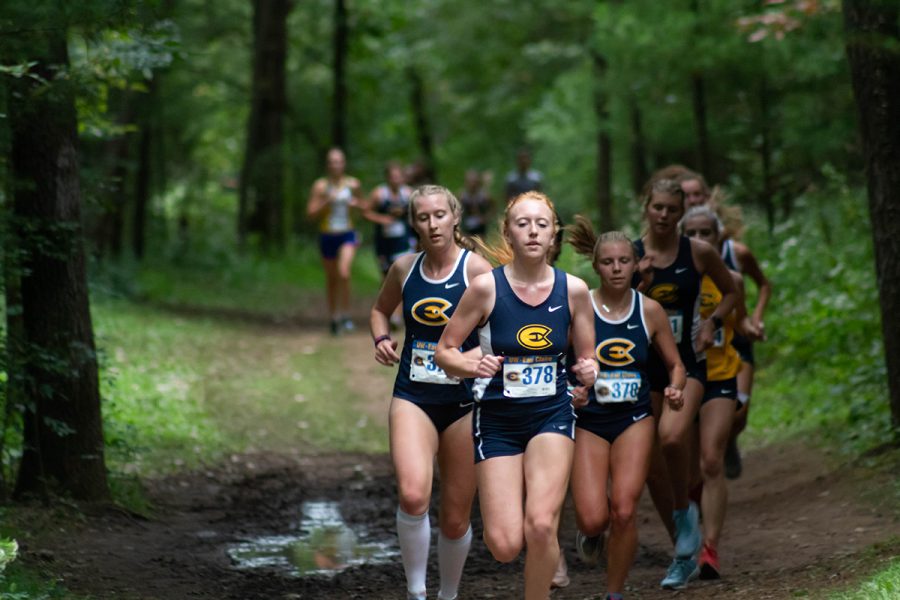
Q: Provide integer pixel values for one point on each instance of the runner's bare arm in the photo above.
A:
(386, 303)
(369, 213)
(582, 331)
(473, 309)
(709, 262)
(751, 267)
(318, 199)
(664, 342)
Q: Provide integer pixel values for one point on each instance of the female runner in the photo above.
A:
(527, 314)
(671, 267)
(430, 412)
(737, 257)
(330, 202)
(721, 393)
(615, 430)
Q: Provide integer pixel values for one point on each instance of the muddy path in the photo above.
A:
(797, 525)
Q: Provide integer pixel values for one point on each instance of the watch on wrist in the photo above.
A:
(717, 321)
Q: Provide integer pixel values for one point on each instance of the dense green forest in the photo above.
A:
(161, 153)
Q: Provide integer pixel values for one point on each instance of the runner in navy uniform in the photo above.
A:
(527, 314)
(671, 268)
(389, 210)
(430, 412)
(615, 429)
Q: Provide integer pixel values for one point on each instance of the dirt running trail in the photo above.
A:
(795, 527)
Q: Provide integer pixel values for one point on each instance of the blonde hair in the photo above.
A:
(587, 243)
(500, 252)
(730, 215)
(462, 240)
(704, 211)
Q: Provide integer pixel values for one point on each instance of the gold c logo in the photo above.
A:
(615, 352)
(664, 293)
(431, 311)
(534, 337)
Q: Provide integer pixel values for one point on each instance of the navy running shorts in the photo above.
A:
(744, 346)
(503, 428)
(443, 415)
(330, 243)
(612, 425)
(727, 388)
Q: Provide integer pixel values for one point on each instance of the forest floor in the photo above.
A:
(798, 525)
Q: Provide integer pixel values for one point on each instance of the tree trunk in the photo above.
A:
(339, 109)
(61, 364)
(765, 154)
(142, 174)
(639, 170)
(261, 203)
(701, 122)
(420, 116)
(604, 143)
(873, 50)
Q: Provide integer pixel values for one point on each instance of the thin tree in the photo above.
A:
(872, 29)
(339, 106)
(63, 449)
(261, 207)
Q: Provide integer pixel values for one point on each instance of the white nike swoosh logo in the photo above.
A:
(633, 326)
(553, 308)
(681, 270)
(447, 286)
(562, 427)
(726, 391)
(637, 418)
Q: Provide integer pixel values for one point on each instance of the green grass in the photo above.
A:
(181, 391)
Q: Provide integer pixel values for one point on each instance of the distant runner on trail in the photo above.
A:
(388, 208)
(431, 412)
(478, 207)
(330, 202)
(524, 178)
(720, 398)
(671, 268)
(615, 430)
(526, 313)
(737, 257)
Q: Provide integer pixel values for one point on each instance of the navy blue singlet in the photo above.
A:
(533, 341)
(623, 350)
(428, 305)
(677, 289)
(729, 257)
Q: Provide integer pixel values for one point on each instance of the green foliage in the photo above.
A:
(822, 368)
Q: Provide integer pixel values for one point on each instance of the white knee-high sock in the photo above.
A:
(451, 560)
(414, 533)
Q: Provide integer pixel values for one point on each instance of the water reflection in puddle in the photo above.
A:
(324, 545)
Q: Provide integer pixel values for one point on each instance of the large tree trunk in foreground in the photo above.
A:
(873, 50)
(64, 437)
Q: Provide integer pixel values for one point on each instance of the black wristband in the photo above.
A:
(380, 339)
(717, 322)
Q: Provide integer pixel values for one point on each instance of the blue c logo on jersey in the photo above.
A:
(431, 311)
(534, 337)
(615, 352)
(664, 293)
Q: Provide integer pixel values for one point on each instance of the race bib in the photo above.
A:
(423, 369)
(676, 322)
(613, 387)
(394, 230)
(529, 376)
(719, 338)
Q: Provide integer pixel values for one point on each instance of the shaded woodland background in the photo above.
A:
(188, 132)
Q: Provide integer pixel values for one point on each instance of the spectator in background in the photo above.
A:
(478, 207)
(524, 178)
